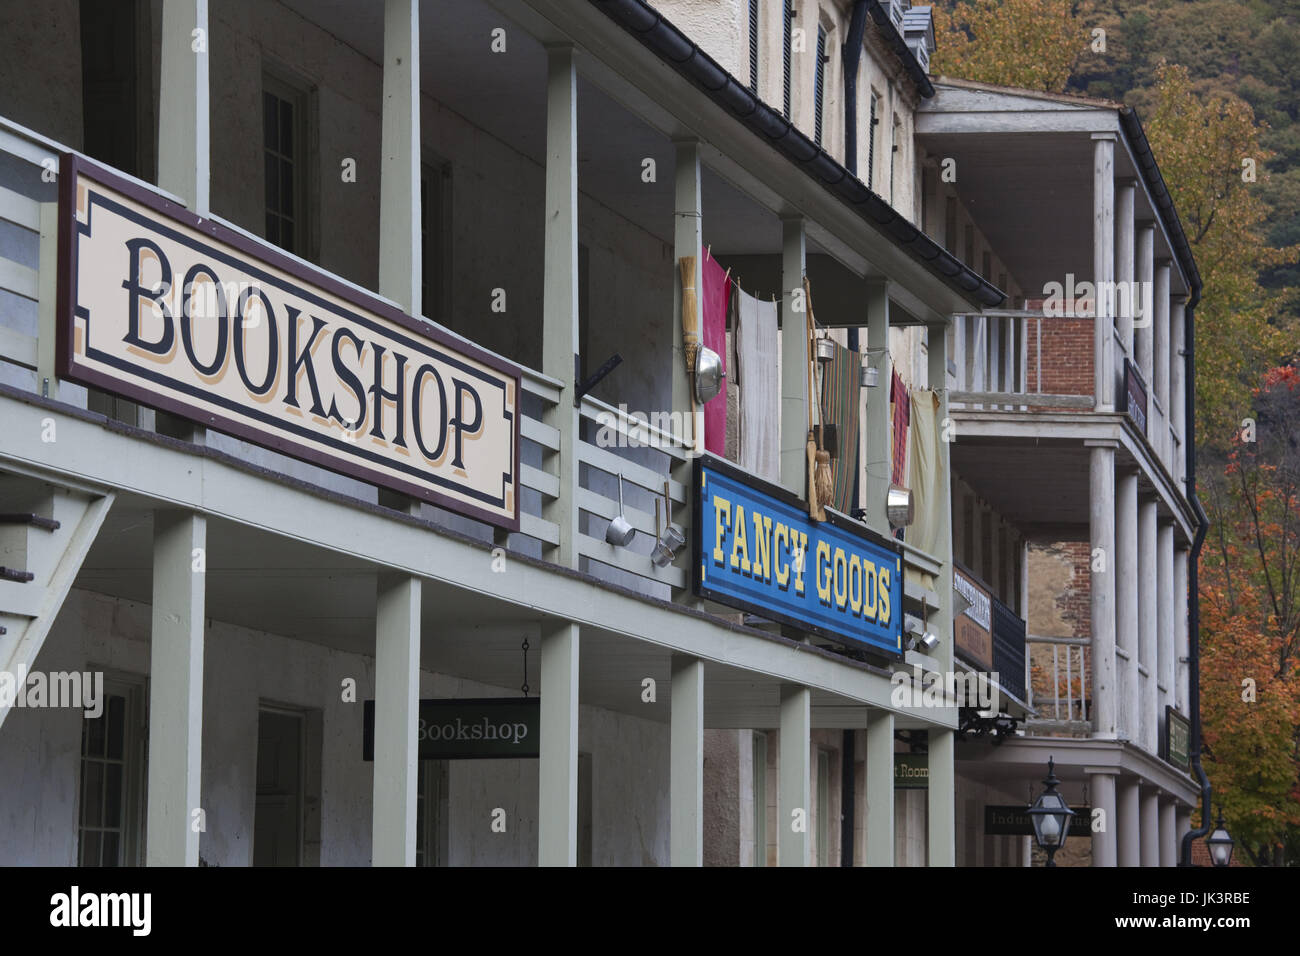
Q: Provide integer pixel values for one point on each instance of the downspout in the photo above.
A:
(1193, 582)
(852, 53)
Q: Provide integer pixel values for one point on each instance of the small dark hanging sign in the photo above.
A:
(472, 728)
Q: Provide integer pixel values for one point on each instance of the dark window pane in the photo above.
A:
(116, 714)
(90, 848)
(286, 128)
(286, 235)
(109, 851)
(95, 745)
(92, 805)
(272, 183)
(112, 795)
(272, 229)
(270, 126)
(286, 187)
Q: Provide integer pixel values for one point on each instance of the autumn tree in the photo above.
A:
(1250, 624)
(1027, 43)
(1214, 165)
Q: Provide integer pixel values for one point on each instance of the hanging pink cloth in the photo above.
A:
(717, 294)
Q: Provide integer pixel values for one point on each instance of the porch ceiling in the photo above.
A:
(1031, 196)
(1030, 483)
(505, 94)
(268, 582)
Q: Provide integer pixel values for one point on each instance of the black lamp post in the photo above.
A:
(1220, 843)
(1051, 816)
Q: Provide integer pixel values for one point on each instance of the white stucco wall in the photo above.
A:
(40, 753)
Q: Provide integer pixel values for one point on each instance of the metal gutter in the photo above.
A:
(672, 46)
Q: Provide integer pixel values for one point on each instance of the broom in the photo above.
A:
(823, 477)
(690, 335)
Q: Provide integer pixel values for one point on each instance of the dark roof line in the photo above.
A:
(1164, 202)
(666, 41)
(880, 14)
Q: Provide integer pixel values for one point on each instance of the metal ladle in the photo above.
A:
(620, 531)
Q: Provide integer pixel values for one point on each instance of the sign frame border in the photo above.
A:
(74, 166)
(785, 496)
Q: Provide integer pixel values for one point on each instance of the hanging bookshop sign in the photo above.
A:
(468, 728)
(756, 549)
(193, 318)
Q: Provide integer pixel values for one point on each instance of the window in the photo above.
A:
(871, 139)
(278, 809)
(110, 818)
(431, 813)
(819, 84)
(786, 27)
(284, 132)
(116, 86)
(753, 46)
(435, 240)
(760, 798)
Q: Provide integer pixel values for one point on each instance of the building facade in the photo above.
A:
(315, 449)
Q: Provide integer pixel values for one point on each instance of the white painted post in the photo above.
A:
(1168, 832)
(794, 362)
(1178, 381)
(1101, 785)
(399, 178)
(1125, 255)
(1182, 669)
(397, 675)
(1168, 604)
(942, 797)
(560, 290)
(1129, 829)
(1161, 358)
(183, 113)
(686, 771)
(176, 688)
(1150, 837)
(398, 596)
(1103, 268)
(1148, 623)
(794, 815)
(1144, 334)
(878, 461)
(557, 819)
(1126, 603)
(880, 788)
(688, 240)
(183, 136)
(1101, 521)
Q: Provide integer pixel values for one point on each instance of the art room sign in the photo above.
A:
(187, 316)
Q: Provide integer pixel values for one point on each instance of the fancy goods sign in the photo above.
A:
(756, 549)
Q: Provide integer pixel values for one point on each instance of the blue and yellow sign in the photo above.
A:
(756, 549)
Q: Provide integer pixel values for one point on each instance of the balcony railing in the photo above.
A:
(654, 465)
(1059, 684)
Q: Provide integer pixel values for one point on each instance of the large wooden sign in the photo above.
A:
(187, 316)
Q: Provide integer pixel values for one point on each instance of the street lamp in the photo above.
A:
(1220, 843)
(1050, 816)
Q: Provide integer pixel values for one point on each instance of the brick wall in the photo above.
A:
(1067, 357)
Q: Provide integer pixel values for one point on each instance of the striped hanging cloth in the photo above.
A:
(840, 383)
